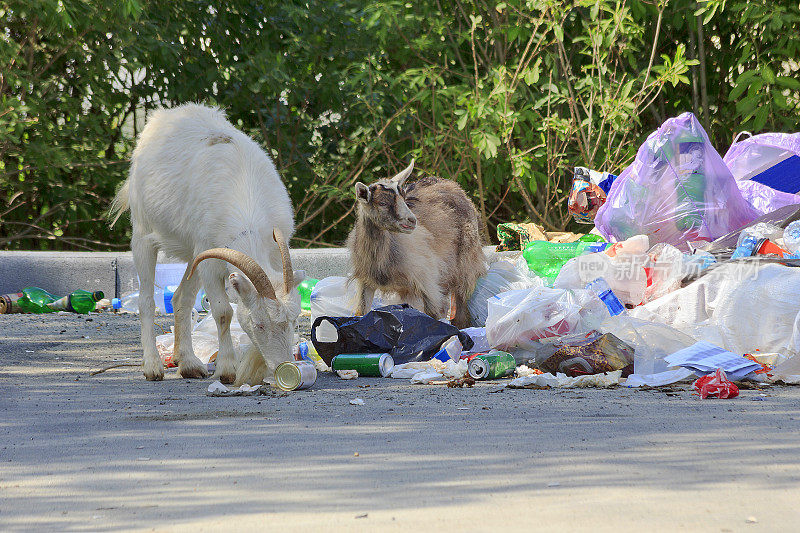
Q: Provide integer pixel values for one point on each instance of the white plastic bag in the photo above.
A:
(338, 296)
(502, 276)
(742, 307)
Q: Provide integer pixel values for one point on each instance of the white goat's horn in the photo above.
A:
(288, 272)
(243, 262)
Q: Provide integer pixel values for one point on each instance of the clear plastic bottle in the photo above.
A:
(602, 290)
(130, 301)
(746, 248)
(791, 237)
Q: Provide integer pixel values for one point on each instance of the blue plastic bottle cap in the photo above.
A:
(116, 303)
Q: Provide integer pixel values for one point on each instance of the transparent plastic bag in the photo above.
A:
(205, 341)
(678, 189)
(665, 270)
(651, 340)
(765, 199)
(762, 230)
(524, 318)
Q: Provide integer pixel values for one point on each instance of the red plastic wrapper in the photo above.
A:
(716, 385)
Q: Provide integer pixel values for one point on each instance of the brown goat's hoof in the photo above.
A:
(154, 377)
(193, 373)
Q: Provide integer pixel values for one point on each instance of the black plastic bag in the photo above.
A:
(399, 330)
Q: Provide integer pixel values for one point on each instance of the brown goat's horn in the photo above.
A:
(243, 262)
(288, 271)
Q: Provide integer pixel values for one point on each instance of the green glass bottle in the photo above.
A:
(79, 301)
(35, 300)
(305, 288)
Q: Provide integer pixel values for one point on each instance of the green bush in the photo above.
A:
(505, 97)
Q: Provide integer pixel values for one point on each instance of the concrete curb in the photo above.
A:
(114, 274)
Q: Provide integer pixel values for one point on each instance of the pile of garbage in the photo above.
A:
(689, 274)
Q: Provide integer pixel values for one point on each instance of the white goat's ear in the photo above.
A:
(243, 287)
(400, 178)
(363, 193)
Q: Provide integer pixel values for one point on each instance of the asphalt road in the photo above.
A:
(114, 452)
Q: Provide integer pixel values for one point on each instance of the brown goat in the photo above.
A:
(418, 240)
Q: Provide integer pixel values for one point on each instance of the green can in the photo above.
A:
(376, 365)
(493, 365)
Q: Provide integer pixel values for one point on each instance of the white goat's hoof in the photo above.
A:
(192, 368)
(153, 370)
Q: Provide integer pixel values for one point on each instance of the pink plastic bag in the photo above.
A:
(716, 385)
(678, 189)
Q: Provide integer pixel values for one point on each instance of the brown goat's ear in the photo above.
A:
(363, 193)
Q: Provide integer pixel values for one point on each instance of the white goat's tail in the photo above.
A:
(120, 204)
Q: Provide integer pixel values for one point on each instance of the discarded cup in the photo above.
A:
(295, 375)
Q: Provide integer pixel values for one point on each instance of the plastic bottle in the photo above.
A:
(130, 301)
(79, 301)
(746, 248)
(690, 186)
(546, 258)
(602, 290)
(451, 349)
(791, 237)
(35, 300)
(305, 288)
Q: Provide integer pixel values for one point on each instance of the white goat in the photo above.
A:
(198, 189)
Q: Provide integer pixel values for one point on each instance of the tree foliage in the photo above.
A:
(505, 97)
